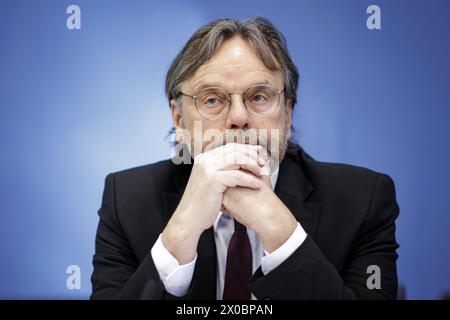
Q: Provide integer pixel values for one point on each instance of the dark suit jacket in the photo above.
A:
(348, 213)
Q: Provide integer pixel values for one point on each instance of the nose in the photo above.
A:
(238, 117)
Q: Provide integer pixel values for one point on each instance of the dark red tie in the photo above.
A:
(239, 265)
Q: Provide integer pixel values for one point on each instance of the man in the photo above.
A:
(252, 216)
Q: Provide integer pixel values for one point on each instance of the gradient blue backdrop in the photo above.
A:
(76, 105)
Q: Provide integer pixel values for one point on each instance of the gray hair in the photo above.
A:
(268, 43)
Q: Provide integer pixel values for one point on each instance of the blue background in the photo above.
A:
(78, 104)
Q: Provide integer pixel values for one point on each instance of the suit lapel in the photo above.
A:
(294, 189)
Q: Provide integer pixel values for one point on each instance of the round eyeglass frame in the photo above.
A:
(242, 93)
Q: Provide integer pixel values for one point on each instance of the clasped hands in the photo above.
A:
(236, 178)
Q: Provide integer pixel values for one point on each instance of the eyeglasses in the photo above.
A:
(213, 103)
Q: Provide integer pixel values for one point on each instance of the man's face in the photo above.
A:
(234, 67)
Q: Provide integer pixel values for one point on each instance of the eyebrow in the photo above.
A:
(202, 86)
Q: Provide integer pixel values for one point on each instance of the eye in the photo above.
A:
(212, 101)
(259, 98)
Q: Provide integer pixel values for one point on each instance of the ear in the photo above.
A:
(289, 107)
(176, 120)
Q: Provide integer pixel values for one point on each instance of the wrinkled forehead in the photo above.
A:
(235, 65)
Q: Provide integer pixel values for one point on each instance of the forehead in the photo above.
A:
(234, 66)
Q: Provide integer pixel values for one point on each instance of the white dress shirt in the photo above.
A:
(177, 278)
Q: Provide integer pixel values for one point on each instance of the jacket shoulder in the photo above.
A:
(341, 181)
(341, 173)
(140, 181)
(160, 168)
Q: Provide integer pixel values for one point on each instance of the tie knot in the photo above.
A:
(238, 226)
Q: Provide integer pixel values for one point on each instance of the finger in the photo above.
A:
(253, 151)
(239, 178)
(266, 169)
(240, 161)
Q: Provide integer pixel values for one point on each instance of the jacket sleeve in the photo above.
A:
(117, 274)
(307, 274)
